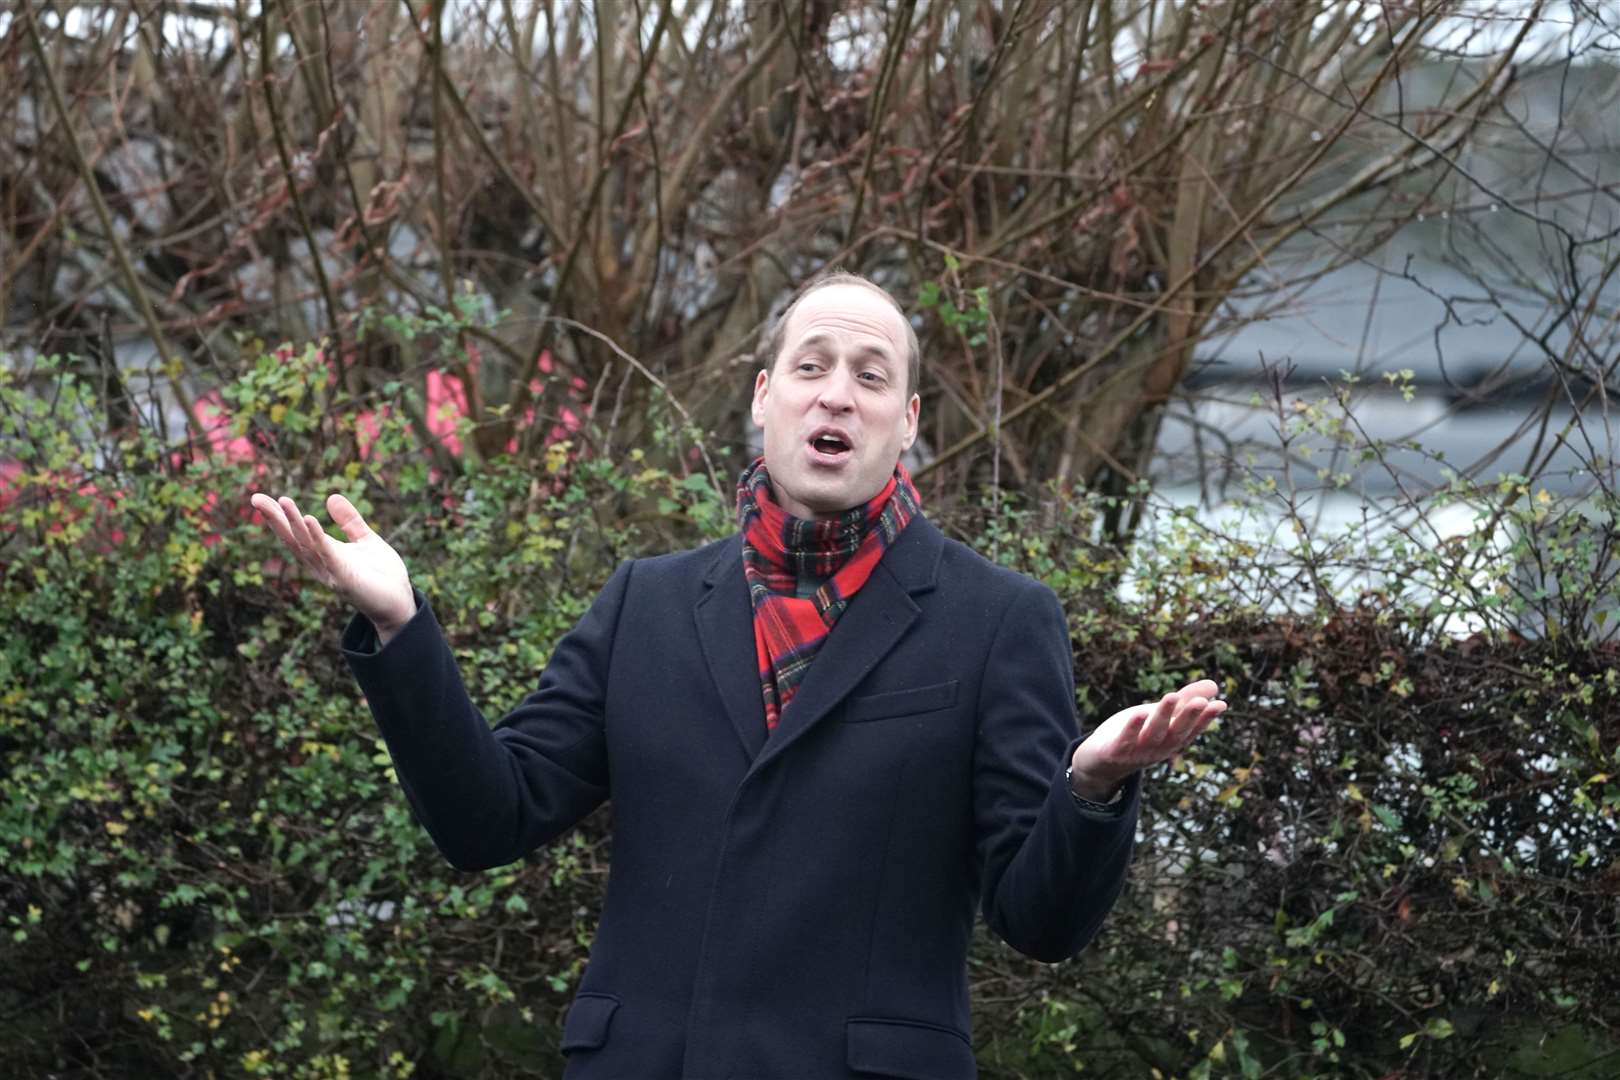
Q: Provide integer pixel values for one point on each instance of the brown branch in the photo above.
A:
(137, 291)
(278, 129)
(894, 48)
(1173, 292)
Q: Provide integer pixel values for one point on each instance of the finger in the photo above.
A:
(1120, 729)
(1204, 688)
(347, 517)
(1186, 713)
(1202, 721)
(291, 515)
(273, 516)
(321, 549)
(302, 541)
(285, 528)
(1157, 726)
(317, 537)
(1131, 721)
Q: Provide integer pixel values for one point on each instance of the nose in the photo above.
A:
(837, 390)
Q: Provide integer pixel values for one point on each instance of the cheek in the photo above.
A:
(897, 424)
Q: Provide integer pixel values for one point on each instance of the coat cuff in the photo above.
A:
(360, 638)
(1125, 797)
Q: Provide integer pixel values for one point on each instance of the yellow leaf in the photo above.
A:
(278, 413)
(117, 828)
(1355, 793)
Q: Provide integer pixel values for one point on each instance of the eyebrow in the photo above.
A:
(815, 340)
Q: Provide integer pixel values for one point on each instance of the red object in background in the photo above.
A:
(11, 487)
(215, 424)
(446, 404)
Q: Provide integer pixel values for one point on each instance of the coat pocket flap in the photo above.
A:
(918, 699)
(909, 1049)
(587, 1025)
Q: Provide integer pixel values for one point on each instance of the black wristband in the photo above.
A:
(1109, 807)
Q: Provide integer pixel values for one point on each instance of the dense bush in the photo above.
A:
(1394, 859)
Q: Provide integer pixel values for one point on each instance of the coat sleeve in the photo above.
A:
(489, 796)
(1050, 870)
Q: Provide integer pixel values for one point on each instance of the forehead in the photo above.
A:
(848, 310)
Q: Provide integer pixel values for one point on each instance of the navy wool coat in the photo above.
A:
(797, 906)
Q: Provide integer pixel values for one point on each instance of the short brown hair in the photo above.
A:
(776, 338)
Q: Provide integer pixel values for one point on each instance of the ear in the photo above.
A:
(913, 411)
(761, 387)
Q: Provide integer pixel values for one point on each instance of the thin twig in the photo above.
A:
(278, 129)
(121, 254)
(692, 427)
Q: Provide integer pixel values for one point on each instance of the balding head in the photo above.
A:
(777, 337)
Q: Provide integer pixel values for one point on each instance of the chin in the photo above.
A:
(829, 503)
(818, 499)
(824, 492)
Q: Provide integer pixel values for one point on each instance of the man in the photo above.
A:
(826, 739)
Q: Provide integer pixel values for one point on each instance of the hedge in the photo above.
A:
(1393, 859)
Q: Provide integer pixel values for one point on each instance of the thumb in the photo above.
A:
(347, 517)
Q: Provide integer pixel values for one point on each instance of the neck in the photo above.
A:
(794, 508)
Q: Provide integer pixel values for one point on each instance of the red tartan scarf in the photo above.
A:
(831, 558)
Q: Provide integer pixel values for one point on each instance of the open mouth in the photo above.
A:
(830, 445)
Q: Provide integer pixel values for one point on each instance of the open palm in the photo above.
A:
(364, 570)
(1146, 734)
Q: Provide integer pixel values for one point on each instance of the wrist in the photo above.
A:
(390, 625)
(1092, 787)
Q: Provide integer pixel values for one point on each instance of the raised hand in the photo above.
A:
(364, 570)
(1143, 735)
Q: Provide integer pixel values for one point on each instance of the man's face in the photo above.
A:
(834, 406)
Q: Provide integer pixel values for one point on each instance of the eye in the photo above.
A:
(873, 377)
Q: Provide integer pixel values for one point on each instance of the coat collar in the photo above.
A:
(876, 619)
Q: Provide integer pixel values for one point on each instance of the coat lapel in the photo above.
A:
(876, 619)
(725, 628)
